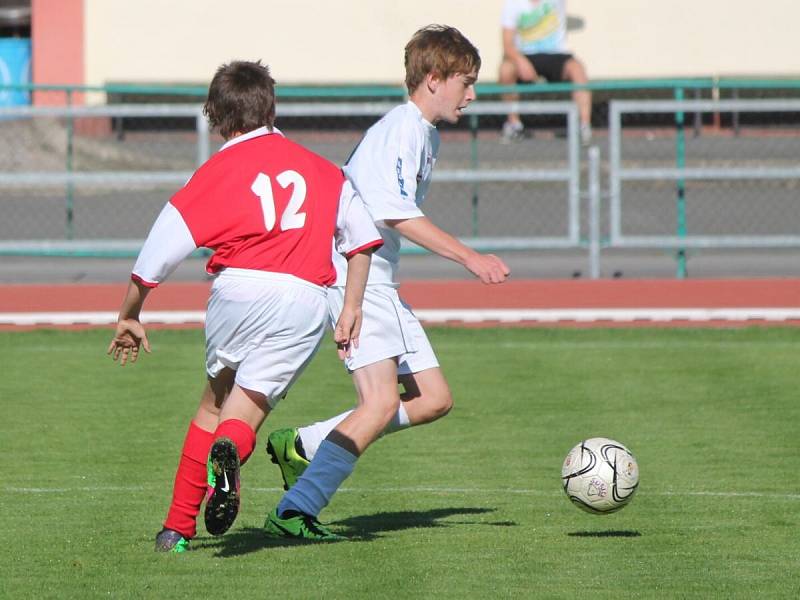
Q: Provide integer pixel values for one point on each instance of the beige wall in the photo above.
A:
(645, 38)
(328, 42)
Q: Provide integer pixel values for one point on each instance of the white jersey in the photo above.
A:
(540, 25)
(391, 170)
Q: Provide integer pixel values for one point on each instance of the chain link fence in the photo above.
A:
(90, 180)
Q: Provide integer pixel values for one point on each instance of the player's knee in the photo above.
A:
(575, 72)
(380, 408)
(507, 72)
(390, 410)
(442, 404)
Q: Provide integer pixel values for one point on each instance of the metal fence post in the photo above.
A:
(473, 129)
(594, 212)
(574, 158)
(614, 166)
(698, 116)
(69, 208)
(680, 185)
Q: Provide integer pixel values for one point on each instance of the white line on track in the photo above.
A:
(403, 490)
(554, 315)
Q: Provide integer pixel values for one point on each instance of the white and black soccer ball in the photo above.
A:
(600, 475)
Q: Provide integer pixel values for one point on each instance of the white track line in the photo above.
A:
(545, 315)
(171, 317)
(401, 490)
(590, 315)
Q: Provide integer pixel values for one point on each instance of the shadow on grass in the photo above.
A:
(369, 527)
(606, 534)
(357, 529)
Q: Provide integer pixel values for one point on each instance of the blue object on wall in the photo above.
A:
(15, 69)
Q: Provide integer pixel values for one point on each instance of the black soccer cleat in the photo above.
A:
(222, 498)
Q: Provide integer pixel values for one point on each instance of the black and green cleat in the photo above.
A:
(168, 540)
(222, 498)
(282, 448)
(296, 525)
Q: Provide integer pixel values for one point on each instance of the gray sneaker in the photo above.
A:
(513, 132)
(586, 134)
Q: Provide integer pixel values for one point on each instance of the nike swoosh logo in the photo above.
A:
(225, 487)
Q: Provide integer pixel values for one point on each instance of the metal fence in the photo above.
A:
(716, 171)
(731, 190)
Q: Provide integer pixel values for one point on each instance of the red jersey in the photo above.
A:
(264, 203)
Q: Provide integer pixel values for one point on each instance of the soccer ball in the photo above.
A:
(600, 475)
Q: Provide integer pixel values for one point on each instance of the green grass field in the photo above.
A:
(469, 507)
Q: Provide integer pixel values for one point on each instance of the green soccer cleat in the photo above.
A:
(297, 525)
(222, 497)
(281, 446)
(168, 540)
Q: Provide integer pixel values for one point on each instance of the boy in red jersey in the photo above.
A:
(269, 209)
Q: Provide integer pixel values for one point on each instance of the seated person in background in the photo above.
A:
(534, 35)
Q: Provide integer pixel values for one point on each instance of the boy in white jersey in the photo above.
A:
(269, 209)
(391, 169)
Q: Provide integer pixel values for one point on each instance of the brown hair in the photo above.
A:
(441, 50)
(241, 98)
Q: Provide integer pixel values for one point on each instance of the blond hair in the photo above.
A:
(440, 50)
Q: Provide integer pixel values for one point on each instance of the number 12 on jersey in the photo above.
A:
(291, 218)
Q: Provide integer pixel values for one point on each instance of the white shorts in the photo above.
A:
(265, 326)
(389, 329)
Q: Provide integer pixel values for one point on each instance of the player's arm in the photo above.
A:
(525, 70)
(348, 326)
(421, 230)
(356, 238)
(130, 334)
(167, 244)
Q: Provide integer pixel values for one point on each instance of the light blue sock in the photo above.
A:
(314, 489)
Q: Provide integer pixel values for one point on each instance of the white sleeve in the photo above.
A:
(355, 230)
(510, 14)
(388, 182)
(167, 244)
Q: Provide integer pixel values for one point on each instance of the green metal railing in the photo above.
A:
(387, 91)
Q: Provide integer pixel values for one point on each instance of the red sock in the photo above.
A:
(190, 482)
(241, 434)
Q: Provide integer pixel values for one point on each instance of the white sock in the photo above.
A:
(317, 485)
(399, 421)
(311, 436)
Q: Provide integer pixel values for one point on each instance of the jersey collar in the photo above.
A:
(417, 111)
(250, 135)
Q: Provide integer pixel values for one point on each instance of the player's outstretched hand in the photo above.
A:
(129, 336)
(488, 268)
(347, 330)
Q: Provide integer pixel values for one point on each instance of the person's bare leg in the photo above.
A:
(426, 396)
(234, 440)
(189, 487)
(214, 394)
(507, 75)
(575, 72)
(245, 405)
(378, 400)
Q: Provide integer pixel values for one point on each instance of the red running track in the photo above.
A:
(457, 295)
